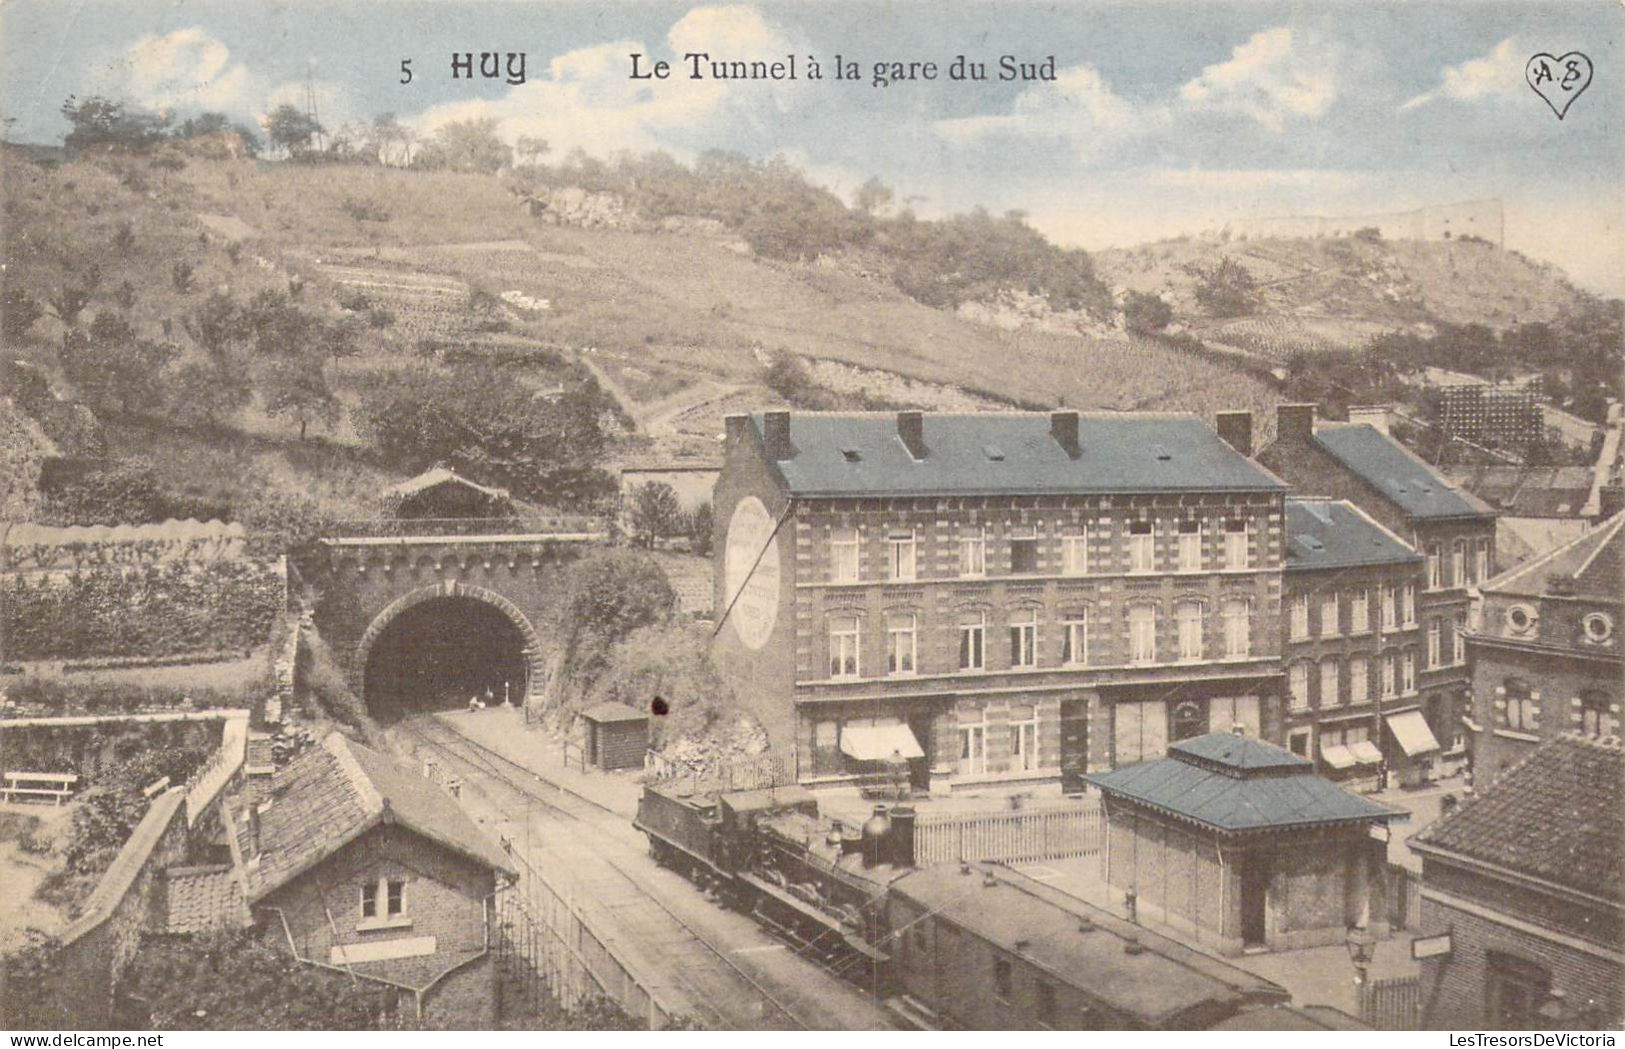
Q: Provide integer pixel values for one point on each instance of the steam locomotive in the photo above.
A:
(767, 852)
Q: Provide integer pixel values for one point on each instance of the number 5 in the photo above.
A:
(406, 70)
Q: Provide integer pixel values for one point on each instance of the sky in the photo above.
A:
(1162, 118)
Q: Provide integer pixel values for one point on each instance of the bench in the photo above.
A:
(58, 786)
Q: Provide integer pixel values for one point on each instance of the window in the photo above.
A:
(1189, 720)
(1300, 617)
(900, 644)
(1236, 553)
(1407, 666)
(1003, 984)
(1189, 614)
(1407, 605)
(369, 901)
(395, 897)
(973, 551)
(1190, 546)
(1046, 1004)
(1390, 608)
(1458, 563)
(387, 895)
(1329, 625)
(1359, 685)
(1298, 741)
(1483, 560)
(1515, 989)
(843, 555)
(1023, 739)
(1075, 638)
(1238, 628)
(1329, 680)
(1521, 620)
(827, 746)
(843, 646)
(1142, 634)
(1359, 612)
(1596, 714)
(1390, 675)
(1141, 547)
(1075, 552)
(1023, 550)
(1521, 712)
(1599, 627)
(1297, 680)
(973, 641)
(972, 744)
(1458, 641)
(900, 554)
(1435, 636)
(1435, 569)
(1024, 639)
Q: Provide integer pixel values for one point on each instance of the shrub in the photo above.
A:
(182, 276)
(1146, 312)
(18, 312)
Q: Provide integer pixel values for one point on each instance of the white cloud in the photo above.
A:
(1275, 75)
(1498, 73)
(1079, 100)
(1254, 179)
(586, 100)
(186, 68)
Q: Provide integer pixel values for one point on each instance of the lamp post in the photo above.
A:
(1556, 1012)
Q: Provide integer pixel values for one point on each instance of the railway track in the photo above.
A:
(724, 995)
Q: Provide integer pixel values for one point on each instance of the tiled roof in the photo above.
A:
(334, 793)
(1595, 561)
(1405, 480)
(1558, 815)
(1334, 533)
(203, 899)
(1529, 491)
(1235, 784)
(1012, 452)
(439, 475)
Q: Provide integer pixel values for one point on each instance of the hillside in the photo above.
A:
(1339, 292)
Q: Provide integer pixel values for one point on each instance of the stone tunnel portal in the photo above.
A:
(438, 653)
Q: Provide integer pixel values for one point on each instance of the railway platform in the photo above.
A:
(503, 730)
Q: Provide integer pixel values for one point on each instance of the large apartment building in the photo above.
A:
(1453, 530)
(995, 598)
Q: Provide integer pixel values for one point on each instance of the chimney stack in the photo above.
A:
(735, 426)
(911, 428)
(1375, 416)
(1236, 430)
(1063, 426)
(776, 435)
(1295, 422)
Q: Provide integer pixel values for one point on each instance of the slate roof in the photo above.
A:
(1407, 481)
(1157, 986)
(1529, 491)
(1232, 784)
(1558, 815)
(334, 793)
(1012, 453)
(611, 712)
(1596, 561)
(203, 899)
(1334, 533)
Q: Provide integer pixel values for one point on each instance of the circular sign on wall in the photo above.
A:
(751, 575)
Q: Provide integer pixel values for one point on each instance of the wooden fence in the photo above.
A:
(544, 939)
(1392, 1005)
(1013, 837)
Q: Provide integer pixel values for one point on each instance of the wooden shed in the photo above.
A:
(616, 736)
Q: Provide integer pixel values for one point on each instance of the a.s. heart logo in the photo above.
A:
(1559, 80)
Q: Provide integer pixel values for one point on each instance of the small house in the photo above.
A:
(444, 493)
(616, 736)
(1240, 845)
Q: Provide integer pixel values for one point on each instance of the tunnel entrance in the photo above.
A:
(436, 654)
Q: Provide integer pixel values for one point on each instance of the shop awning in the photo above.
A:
(1411, 730)
(1337, 756)
(1366, 752)
(879, 742)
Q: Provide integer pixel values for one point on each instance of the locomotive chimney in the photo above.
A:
(902, 836)
(875, 832)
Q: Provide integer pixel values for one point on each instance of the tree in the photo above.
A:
(1145, 312)
(114, 371)
(18, 312)
(468, 145)
(73, 292)
(701, 529)
(872, 196)
(206, 392)
(216, 325)
(655, 513)
(606, 595)
(295, 386)
(392, 139)
(102, 123)
(1225, 290)
(291, 130)
(530, 149)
